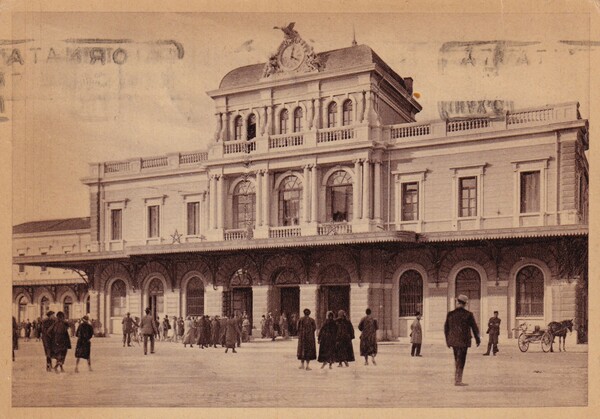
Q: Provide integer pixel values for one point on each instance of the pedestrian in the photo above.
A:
(223, 330)
(368, 338)
(416, 335)
(15, 337)
(283, 325)
(293, 323)
(493, 331)
(245, 329)
(46, 340)
(166, 326)
(200, 332)
(188, 337)
(307, 350)
(83, 349)
(149, 330)
(27, 330)
(207, 331)
(60, 340)
(37, 329)
(174, 327)
(232, 331)
(240, 320)
(326, 341)
(263, 327)
(180, 329)
(215, 331)
(344, 352)
(457, 329)
(270, 326)
(128, 324)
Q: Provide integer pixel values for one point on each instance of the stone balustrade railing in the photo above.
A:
(287, 231)
(236, 147)
(236, 234)
(189, 158)
(286, 140)
(335, 134)
(155, 162)
(334, 228)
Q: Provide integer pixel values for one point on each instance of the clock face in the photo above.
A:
(292, 56)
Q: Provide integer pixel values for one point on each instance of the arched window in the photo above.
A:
(44, 306)
(347, 112)
(241, 277)
(251, 128)
(290, 201)
(156, 297)
(334, 274)
(339, 197)
(284, 117)
(468, 282)
(22, 309)
(67, 305)
(195, 297)
(244, 202)
(286, 276)
(530, 292)
(410, 293)
(298, 114)
(238, 124)
(118, 302)
(332, 115)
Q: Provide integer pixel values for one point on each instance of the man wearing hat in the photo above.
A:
(457, 329)
(493, 331)
(47, 324)
(128, 323)
(149, 330)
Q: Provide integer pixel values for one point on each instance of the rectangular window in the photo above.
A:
(530, 192)
(116, 232)
(21, 268)
(153, 221)
(410, 201)
(193, 218)
(467, 200)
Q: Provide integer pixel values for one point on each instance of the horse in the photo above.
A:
(560, 330)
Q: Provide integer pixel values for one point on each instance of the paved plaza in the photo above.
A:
(266, 374)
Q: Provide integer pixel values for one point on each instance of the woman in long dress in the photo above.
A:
(188, 337)
(232, 331)
(343, 342)
(368, 338)
(83, 349)
(326, 340)
(307, 349)
(61, 342)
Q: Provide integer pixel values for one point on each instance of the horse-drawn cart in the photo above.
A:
(544, 337)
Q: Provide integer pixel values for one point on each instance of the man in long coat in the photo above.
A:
(307, 349)
(416, 336)
(215, 330)
(149, 330)
(232, 332)
(60, 340)
(344, 352)
(46, 340)
(326, 341)
(457, 329)
(368, 338)
(83, 349)
(493, 331)
(127, 323)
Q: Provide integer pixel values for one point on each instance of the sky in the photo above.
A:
(144, 94)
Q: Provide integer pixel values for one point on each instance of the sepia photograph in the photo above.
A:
(298, 210)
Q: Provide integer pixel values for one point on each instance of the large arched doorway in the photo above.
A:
(118, 305)
(156, 298)
(194, 297)
(334, 292)
(239, 297)
(22, 316)
(468, 282)
(287, 290)
(68, 307)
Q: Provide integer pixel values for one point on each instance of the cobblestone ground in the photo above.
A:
(266, 374)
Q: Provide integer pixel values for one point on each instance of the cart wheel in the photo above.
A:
(546, 342)
(523, 343)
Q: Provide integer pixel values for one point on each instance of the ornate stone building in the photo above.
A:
(320, 190)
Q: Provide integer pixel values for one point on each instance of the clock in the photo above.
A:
(292, 56)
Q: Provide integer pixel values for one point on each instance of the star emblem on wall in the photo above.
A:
(176, 237)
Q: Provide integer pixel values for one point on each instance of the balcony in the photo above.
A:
(238, 147)
(329, 135)
(285, 141)
(237, 234)
(282, 232)
(331, 229)
(148, 164)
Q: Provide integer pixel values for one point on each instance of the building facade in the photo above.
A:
(320, 190)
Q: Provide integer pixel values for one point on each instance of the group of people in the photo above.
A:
(335, 339)
(54, 334)
(284, 327)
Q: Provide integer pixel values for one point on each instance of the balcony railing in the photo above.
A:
(532, 116)
(287, 231)
(335, 134)
(189, 158)
(155, 162)
(287, 140)
(468, 124)
(115, 167)
(410, 131)
(330, 229)
(230, 147)
(236, 234)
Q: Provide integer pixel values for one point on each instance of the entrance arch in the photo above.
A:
(333, 292)
(23, 302)
(238, 299)
(469, 278)
(156, 297)
(286, 296)
(194, 297)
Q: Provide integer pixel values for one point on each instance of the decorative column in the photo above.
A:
(244, 127)
(212, 197)
(361, 108)
(314, 189)
(219, 203)
(356, 191)
(311, 115)
(266, 193)
(231, 124)
(317, 107)
(260, 297)
(259, 199)
(377, 192)
(366, 187)
(305, 196)
(263, 120)
(269, 120)
(219, 130)
(205, 212)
